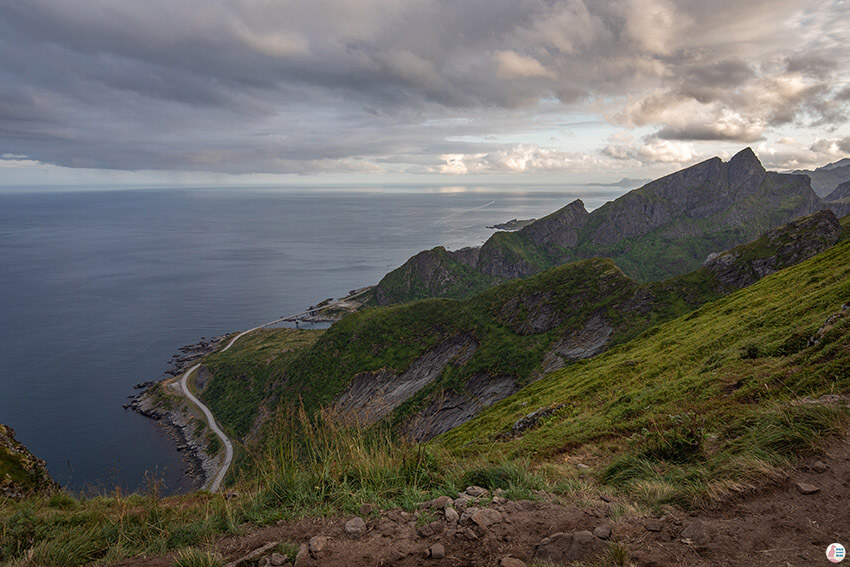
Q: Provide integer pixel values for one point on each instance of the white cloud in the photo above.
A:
(512, 65)
(517, 159)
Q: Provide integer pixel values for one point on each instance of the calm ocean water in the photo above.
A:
(100, 288)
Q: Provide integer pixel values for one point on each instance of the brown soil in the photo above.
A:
(778, 526)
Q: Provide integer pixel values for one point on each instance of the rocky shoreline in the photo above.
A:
(178, 420)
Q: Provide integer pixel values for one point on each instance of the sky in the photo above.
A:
(415, 91)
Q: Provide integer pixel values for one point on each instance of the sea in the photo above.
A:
(99, 288)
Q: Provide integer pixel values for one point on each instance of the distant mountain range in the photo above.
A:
(667, 227)
(825, 179)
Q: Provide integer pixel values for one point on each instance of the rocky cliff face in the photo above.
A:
(664, 228)
(784, 246)
(21, 473)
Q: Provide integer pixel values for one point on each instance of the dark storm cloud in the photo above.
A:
(292, 86)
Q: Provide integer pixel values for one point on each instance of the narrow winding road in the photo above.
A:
(215, 484)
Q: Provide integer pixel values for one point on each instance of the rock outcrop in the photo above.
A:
(21, 473)
(781, 247)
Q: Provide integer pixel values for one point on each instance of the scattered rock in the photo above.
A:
(653, 525)
(466, 516)
(437, 527)
(278, 559)
(582, 467)
(470, 534)
(511, 562)
(806, 488)
(695, 534)
(486, 517)
(438, 503)
(564, 548)
(425, 531)
(820, 467)
(366, 509)
(355, 527)
(452, 515)
(603, 531)
(476, 491)
(437, 551)
(461, 503)
(605, 498)
(264, 561)
(317, 544)
(302, 558)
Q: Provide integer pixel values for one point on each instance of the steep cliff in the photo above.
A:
(21, 473)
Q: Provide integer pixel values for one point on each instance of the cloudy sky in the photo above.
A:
(411, 90)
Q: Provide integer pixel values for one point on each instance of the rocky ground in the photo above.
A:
(790, 523)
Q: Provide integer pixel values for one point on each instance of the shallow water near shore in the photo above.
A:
(100, 288)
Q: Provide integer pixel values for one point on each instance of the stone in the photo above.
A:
(425, 531)
(461, 503)
(602, 532)
(452, 515)
(437, 527)
(466, 516)
(476, 491)
(582, 467)
(302, 558)
(806, 488)
(366, 509)
(438, 503)
(486, 517)
(820, 467)
(653, 525)
(437, 551)
(511, 562)
(563, 548)
(264, 561)
(470, 534)
(355, 527)
(695, 533)
(317, 544)
(278, 559)
(605, 498)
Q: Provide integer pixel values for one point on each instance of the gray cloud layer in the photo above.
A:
(364, 85)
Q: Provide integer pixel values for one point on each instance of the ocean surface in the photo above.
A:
(99, 288)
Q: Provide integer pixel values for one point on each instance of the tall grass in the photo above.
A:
(320, 460)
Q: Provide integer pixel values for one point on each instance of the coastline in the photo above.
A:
(178, 420)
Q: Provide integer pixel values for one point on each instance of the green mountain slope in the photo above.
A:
(431, 365)
(748, 371)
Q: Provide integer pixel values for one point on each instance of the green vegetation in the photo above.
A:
(734, 417)
(432, 273)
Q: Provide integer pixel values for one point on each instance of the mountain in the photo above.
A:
(826, 178)
(432, 365)
(839, 200)
(664, 228)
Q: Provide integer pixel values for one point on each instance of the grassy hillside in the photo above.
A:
(716, 392)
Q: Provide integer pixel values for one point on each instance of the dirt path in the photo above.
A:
(780, 526)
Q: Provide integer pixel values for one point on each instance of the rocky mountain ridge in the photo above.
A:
(667, 227)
